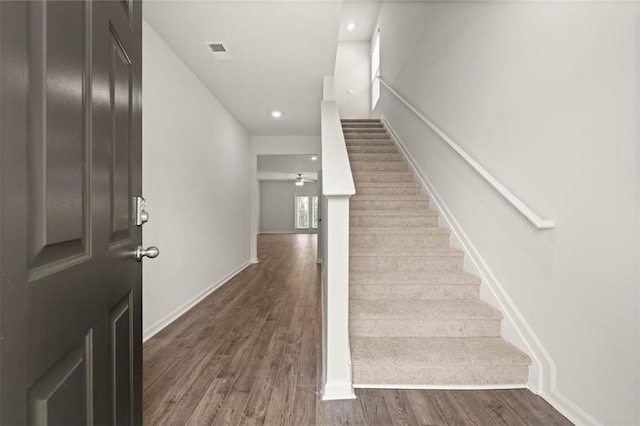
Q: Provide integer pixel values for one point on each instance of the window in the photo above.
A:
(375, 69)
(302, 212)
(306, 212)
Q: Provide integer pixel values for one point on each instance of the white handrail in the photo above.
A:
(536, 220)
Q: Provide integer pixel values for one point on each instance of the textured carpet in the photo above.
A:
(416, 318)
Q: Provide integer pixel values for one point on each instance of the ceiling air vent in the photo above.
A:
(219, 51)
(217, 47)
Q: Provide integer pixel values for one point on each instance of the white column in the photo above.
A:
(336, 378)
(255, 208)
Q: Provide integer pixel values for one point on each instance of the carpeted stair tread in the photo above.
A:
(387, 185)
(403, 252)
(366, 135)
(376, 149)
(360, 120)
(379, 166)
(415, 212)
(413, 278)
(397, 230)
(375, 157)
(393, 309)
(389, 197)
(371, 130)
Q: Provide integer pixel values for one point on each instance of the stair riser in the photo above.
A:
(393, 264)
(360, 120)
(361, 126)
(382, 166)
(382, 177)
(387, 191)
(377, 158)
(369, 143)
(424, 328)
(389, 205)
(399, 241)
(367, 130)
(445, 279)
(443, 375)
(412, 291)
(372, 149)
(393, 221)
(366, 136)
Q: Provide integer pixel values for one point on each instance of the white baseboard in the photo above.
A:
(331, 392)
(542, 379)
(438, 387)
(156, 327)
(254, 260)
(280, 232)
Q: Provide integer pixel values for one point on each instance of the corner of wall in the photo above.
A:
(515, 328)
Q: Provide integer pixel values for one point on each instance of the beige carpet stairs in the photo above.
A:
(415, 316)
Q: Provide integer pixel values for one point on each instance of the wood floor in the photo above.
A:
(250, 354)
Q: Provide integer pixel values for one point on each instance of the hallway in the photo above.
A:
(250, 354)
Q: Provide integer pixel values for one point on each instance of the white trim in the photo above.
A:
(544, 382)
(156, 327)
(526, 211)
(332, 392)
(254, 260)
(437, 387)
(336, 380)
(282, 232)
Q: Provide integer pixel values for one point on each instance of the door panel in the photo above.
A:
(58, 135)
(70, 165)
(120, 97)
(121, 337)
(63, 396)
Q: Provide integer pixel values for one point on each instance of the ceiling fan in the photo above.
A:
(299, 181)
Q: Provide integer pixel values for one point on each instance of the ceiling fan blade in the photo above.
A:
(310, 180)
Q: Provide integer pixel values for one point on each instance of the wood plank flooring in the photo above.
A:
(250, 354)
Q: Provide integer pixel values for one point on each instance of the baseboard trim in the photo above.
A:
(336, 391)
(438, 387)
(544, 381)
(286, 232)
(254, 260)
(159, 325)
(280, 232)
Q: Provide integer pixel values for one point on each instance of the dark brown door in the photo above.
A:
(70, 165)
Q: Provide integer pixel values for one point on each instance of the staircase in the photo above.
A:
(416, 318)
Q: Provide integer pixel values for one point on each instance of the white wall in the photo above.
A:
(543, 95)
(276, 145)
(196, 180)
(277, 205)
(353, 71)
(638, 151)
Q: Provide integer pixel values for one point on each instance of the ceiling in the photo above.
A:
(281, 51)
(287, 167)
(364, 15)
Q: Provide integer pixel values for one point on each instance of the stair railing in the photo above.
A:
(337, 187)
(518, 204)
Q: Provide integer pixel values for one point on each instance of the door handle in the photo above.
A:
(149, 252)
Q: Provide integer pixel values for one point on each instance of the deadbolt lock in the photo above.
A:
(140, 213)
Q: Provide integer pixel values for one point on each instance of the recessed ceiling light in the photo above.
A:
(351, 26)
(276, 114)
(314, 157)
